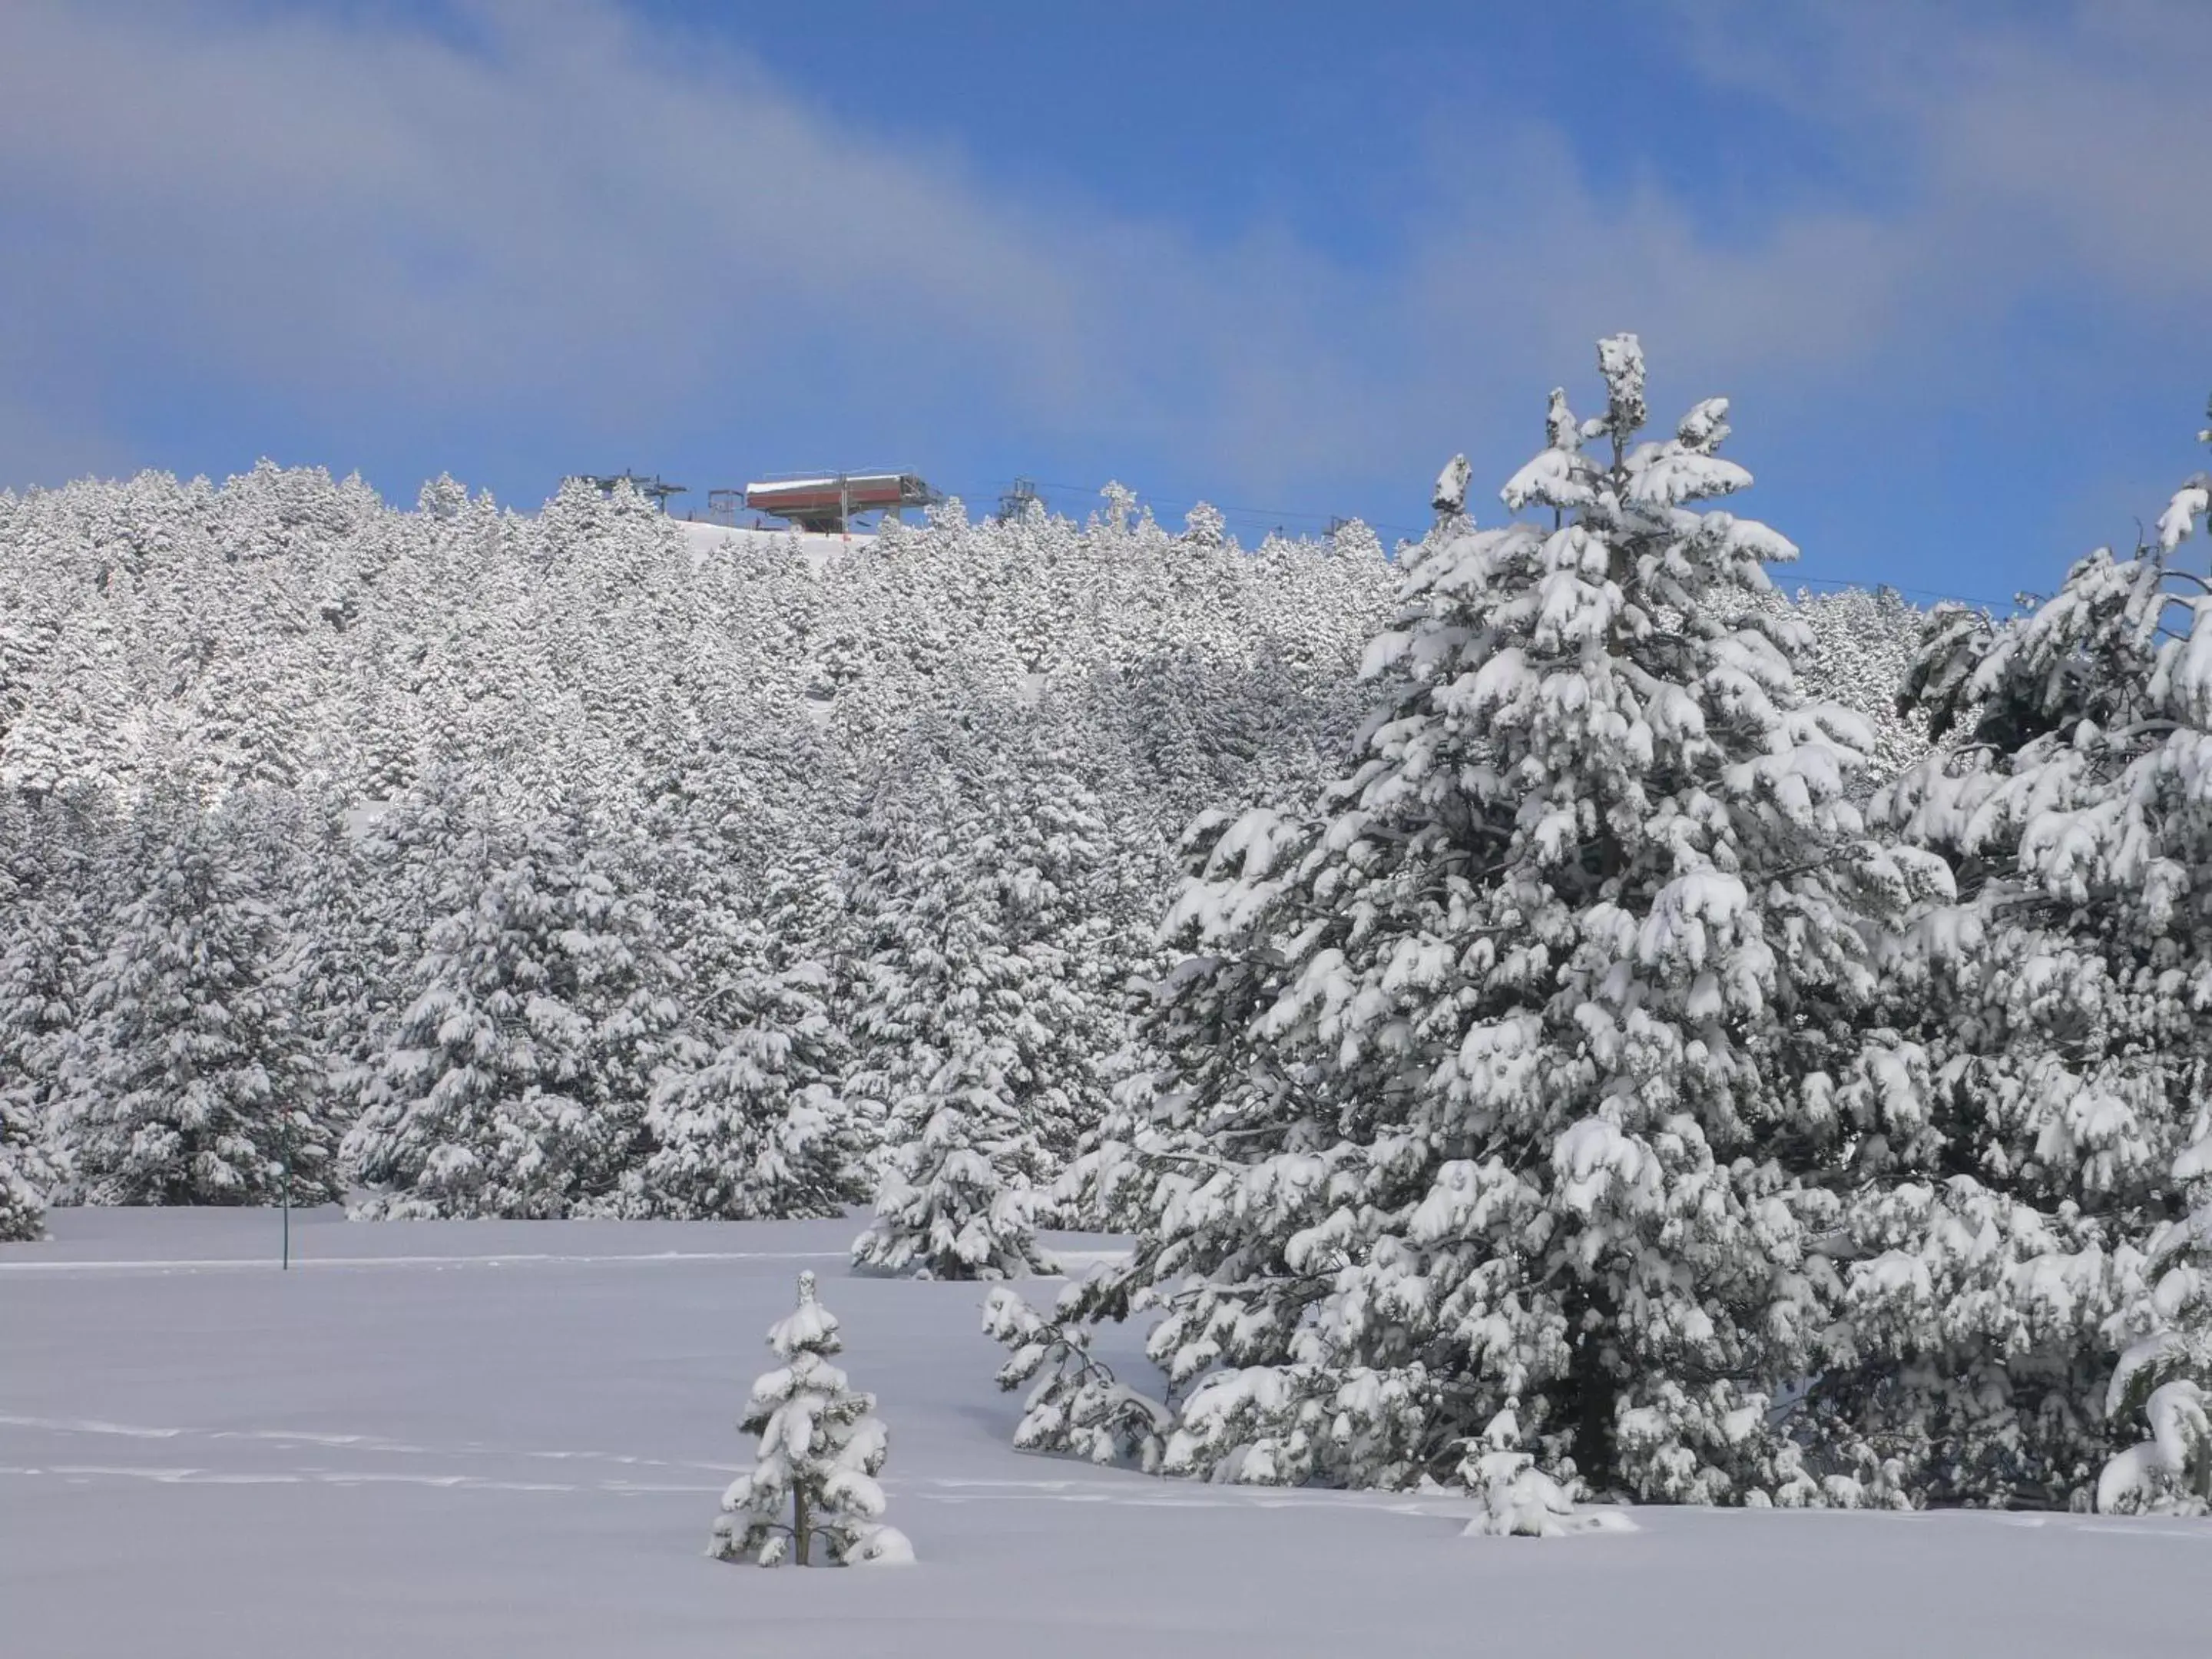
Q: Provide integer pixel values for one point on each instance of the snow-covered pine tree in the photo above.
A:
(69, 730)
(2035, 1115)
(821, 1446)
(944, 1032)
(807, 926)
(2164, 1382)
(802, 910)
(746, 1120)
(25, 1175)
(1518, 1498)
(1492, 1079)
(1063, 887)
(196, 1082)
(401, 850)
(750, 1124)
(512, 1079)
(54, 845)
(1169, 706)
(331, 909)
(1863, 645)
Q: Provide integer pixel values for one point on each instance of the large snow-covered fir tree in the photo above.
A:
(2033, 1118)
(331, 901)
(196, 1082)
(750, 1123)
(2164, 1381)
(821, 1446)
(32, 1015)
(1861, 647)
(513, 1079)
(1496, 1074)
(947, 1034)
(53, 846)
(1065, 888)
(24, 1174)
(747, 1118)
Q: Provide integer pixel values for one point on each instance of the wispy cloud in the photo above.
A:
(2067, 141)
(306, 200)
(552, 214)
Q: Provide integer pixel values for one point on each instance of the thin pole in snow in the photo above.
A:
(287, 1144)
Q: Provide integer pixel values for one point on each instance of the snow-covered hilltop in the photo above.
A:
(287, 630)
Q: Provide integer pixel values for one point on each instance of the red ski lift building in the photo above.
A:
(830, 502)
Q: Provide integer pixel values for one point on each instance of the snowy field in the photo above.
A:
(488, 1438)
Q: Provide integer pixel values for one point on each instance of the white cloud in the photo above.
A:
(2036, 145)
(555, 214)
(389, 206)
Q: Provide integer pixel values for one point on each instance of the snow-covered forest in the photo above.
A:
(1543, 990)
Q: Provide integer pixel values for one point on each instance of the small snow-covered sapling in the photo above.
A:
(1519, 1499)
(821, 1444)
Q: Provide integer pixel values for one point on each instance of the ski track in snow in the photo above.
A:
(263, 1264)
(931, 1491)
(352, 1442)
(941, 1489)
(1123, 1493)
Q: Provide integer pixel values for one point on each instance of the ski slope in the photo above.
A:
(490, 1438)
(706, 541)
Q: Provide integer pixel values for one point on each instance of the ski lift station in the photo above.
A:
(829, 502)
(817, 504)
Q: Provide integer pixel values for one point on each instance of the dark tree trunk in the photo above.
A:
(1594, 1390)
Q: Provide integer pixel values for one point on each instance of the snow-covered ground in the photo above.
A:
(492, 1438)
(705, 540)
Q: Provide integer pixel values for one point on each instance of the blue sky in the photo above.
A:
(1951, 263)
